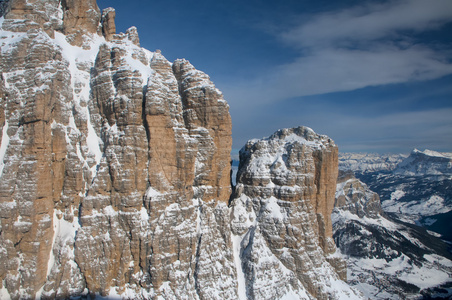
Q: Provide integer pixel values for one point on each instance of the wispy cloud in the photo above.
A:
(373, 44)
(369, 22)
(367, 45)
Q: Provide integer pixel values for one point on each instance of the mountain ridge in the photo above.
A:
(116, 170)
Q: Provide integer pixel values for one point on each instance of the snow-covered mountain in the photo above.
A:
(369, 162)
(423, 163)
(387, 259)
(418, 190)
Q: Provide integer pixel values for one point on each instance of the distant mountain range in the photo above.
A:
(401, 248)
(369, 162)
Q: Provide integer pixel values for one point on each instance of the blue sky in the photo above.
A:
(376, 76)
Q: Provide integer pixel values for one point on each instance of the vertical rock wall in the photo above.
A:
(115, 174)
(115, 163)
(281, 220)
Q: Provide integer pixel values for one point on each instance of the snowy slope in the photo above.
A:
(422, 163)
(415, 189)
(387, 259)
(276, 231)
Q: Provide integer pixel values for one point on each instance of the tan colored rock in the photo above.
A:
(282, 215)
(132, 35)
(32, 14)
(108, 23)
(115, 191)
(80, 17)
(354, 196)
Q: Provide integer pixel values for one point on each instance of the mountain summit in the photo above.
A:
(115, 174)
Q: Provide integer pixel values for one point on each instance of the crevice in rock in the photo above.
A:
(198, 255)
(143, 112)
(3, 7)
(195, 275)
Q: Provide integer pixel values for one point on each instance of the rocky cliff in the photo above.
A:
(281, 218)
(115, 162)
(115, 174)
(369, 162)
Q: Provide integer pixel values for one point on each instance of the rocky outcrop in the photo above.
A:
(108, 23)
(115, 164)
(354, 196)
(281, 217)
(80, 18)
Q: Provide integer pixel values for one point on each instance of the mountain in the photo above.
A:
(369, 162)
(281, 218)
(416, 190)
(386, 258)
(115, 163)
(115, 175)
(422, 163)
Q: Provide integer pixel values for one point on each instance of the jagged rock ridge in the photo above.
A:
(115, 163)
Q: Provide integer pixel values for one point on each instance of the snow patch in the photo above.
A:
(433, 206)
(4, 146)
(396, 195)
(236, 244)
(4, 294)
(144, 214)
(273, 208)
(151, 192)
(93, 141)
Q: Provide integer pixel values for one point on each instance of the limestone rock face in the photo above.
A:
(115, 175)
(80, 17)
(281, 217)
(108, 23)
(22, 15)
(114, 164)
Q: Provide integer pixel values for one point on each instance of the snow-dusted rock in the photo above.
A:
(114, 164)
(354, 196)
(281, 218)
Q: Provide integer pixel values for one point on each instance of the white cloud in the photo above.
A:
(355, 48)
(333, 70)
(369, 45)
(370, 22)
